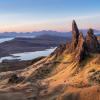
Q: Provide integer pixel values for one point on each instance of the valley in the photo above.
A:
(70, 72)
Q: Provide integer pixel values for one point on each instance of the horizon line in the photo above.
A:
(46, 31)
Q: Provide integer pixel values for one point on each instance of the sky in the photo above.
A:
(57, 15)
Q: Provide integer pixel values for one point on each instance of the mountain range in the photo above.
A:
(44, 32)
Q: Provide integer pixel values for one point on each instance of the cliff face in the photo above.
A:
(81, 50)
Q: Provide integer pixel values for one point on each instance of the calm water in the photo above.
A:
(28, 55)
(5, 39)
(8, 39)
(25, 55)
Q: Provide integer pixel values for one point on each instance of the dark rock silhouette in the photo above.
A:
(75, 35)
(92, 42)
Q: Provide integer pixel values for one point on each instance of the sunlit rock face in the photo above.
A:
(81, 50)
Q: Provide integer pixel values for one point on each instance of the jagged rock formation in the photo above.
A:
(80, 46)
(81, 50)
(59, 50)
(75, 35)
(91, 41)
(70, 47)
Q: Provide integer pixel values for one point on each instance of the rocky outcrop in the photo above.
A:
(59, 50)
(80, 46)
(81, 50)
(75, 35)
(83, 47)
(92, 42)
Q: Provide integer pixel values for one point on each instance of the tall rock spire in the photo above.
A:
(92, 42)
(75, 35)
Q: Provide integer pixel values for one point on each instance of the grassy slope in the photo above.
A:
(67, 79)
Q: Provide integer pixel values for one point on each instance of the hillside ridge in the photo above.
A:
(71, 72)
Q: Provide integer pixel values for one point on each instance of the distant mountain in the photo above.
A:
(44, 32)
(20, 45)
(30, 34)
